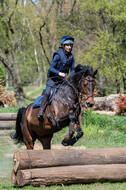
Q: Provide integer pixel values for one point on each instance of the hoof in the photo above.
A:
(70, 142)
(64, 143)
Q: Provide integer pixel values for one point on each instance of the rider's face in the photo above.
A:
(68, 47)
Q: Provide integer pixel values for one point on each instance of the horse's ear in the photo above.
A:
(95, 72)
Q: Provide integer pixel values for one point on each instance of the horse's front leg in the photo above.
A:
(46, 141)
(80, 132)
(68, 136)
(68, 140)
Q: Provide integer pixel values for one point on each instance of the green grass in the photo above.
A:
(9, 109)
(5, 185)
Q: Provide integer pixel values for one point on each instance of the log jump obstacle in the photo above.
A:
(7, 120)
(50, 167)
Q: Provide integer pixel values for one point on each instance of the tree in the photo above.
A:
(107, 51)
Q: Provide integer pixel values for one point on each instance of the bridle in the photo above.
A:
(91, 90)
(81, 92)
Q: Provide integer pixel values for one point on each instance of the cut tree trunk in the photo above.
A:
(72, 175)
(25, 159)
(106, 103)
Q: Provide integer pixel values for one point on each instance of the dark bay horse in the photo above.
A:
(63, 111)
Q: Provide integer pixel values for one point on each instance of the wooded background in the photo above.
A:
(30, 32)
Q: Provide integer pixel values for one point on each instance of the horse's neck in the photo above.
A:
(68, 90)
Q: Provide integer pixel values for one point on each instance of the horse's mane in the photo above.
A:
(79, 69)
(87, 69)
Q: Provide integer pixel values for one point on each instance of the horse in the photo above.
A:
(64, 110)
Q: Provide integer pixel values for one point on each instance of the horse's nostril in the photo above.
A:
(89, 104)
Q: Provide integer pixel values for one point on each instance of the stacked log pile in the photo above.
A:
(49, 167)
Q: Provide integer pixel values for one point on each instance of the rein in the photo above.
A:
(75, 89)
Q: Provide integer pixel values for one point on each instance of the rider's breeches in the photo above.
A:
(50, 84)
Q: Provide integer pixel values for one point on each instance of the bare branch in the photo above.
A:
(28, 98)
(6, 66)
(40, 35)
(73, 6)
(9, 22)
(41, 42)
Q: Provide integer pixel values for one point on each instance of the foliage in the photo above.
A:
(6, 98)
(121, 105)
(107, 50)
(31, 32)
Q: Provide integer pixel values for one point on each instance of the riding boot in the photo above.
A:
(43, 106)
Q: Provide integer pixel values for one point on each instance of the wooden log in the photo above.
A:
(13, 178)
(24, 159)
(8, 116)
(7, 120)
(72, 175)
(7, 124)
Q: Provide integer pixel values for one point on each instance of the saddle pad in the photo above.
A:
(37, 102)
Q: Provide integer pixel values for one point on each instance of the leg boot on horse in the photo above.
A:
(43, 107)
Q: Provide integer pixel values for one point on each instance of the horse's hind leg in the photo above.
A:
(29, 144)
(27, 137)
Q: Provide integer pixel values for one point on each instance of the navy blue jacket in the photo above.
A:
(61, 63)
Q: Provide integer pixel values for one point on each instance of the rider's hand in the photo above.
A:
(62, 74)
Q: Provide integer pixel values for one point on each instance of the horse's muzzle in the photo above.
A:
(89, 103)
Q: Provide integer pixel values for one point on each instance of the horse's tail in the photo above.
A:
(18, 136)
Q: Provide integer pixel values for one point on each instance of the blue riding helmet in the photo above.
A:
(67, 40)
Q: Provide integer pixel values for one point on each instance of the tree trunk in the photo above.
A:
(124, 80)
(118, 86)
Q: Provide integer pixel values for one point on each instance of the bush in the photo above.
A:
(121, 105)
(6, 98)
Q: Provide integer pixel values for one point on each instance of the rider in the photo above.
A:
(62, 62)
